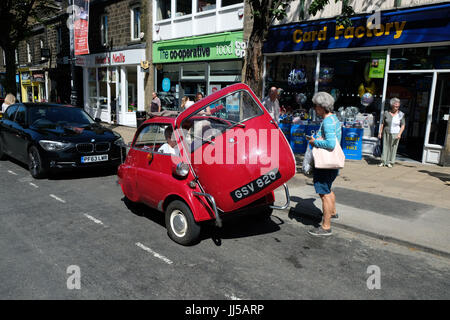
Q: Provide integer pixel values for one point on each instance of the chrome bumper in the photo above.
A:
(214, 207)
(288, 199)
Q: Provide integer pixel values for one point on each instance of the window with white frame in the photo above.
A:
(205, 5)
(135, 23)
(4, 58)
(182, 8)
(104, 29)
(41, 46)
(163, 9)
(16, 54)
(28, 53)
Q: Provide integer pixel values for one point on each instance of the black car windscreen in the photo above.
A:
(58, 116)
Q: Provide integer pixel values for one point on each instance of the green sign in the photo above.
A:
(223, 46)
(377, 65)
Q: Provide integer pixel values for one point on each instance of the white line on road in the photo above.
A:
(57, 199)
(93, 219)
(33, 185)
(157, 255)
(12, 172)
(232, 297)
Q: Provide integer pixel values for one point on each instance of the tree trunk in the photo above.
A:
(10, 81)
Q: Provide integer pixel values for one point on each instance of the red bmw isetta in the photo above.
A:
(223, 155)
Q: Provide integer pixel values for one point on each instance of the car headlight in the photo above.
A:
(54, 145)
(120, 142)
(182, 169)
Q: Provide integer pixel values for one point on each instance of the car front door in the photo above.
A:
(6, 129)
(19, 137)
(236, 149)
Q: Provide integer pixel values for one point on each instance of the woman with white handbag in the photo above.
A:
(328, 158)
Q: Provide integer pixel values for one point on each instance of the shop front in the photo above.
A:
(33, 85)
(407, 56)
(113, 84)
(197, 64)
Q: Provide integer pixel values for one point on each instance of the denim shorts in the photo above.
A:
(323, 179)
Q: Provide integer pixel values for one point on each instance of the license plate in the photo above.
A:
(256, 185)
(99, 158)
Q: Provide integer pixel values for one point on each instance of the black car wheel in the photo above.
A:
(180, 223)
(35, 163)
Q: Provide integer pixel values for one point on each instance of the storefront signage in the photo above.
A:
(38, 76)
(129, 57)
(166, 84)
(419, 25)
(377, 65)
(215, 47)
(81, 26)
(26, 77)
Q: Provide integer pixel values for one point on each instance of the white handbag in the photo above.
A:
(329, 159)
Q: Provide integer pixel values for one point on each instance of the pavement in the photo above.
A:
(408, 204)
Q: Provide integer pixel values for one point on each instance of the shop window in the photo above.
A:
(226, 3)
(420, 58)
(438, 130)
(194, 71)
(104, 30)
(135, 23)
(163, 9)
(92, 87)
(169, 98)
(205, 5)
(132, 89)
(355, 80)
(183, 8)
(295, 75)
(103, 87)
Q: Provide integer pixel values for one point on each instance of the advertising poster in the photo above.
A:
(81, 27)
(377, 65)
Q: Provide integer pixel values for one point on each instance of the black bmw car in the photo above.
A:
(49, 137)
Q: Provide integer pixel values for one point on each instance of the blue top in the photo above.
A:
(330, 129)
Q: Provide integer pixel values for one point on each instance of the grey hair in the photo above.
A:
(324, 100)
(394, 101)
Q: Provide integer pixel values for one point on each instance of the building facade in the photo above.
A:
(197, 47)
(399, 50)
(113, 79)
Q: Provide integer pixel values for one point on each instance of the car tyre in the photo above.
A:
(180, 223)
(35, 166)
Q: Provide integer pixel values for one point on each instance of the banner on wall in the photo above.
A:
(81, 27)
(408, 26)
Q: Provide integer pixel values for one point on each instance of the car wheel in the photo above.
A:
(35, 164)
(180, 223)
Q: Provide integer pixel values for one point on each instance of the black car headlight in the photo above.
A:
(48, 145)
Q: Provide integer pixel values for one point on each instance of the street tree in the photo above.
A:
(263, 13)
(17, 19)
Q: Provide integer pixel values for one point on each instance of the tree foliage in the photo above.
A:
(17, 19)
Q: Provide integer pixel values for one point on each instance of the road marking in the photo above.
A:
(12, 172)
(155, 254)
(93, 219)
(232, 297)
(26, 179)
(33, 185)
(57, 199)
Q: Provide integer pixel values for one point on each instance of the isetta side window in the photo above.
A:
(157, 138)
(214, 119)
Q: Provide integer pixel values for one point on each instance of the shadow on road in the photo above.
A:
(444, 177)
(82, 173)
(305, 212)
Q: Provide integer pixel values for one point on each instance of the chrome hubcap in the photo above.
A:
(178, 223)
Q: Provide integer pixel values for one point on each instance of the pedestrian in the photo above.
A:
(186, 102)
(9, 100)
(391, 129)
(156, 103)
(272, 104)
(198, 97)
(328, 135)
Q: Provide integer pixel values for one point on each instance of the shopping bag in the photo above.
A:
(377, 150)
(308, 160)
(329, 159)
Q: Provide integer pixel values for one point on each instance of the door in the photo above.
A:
(18, 137)
(236, 150)
(414, 92)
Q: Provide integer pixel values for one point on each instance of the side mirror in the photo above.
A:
(98, 120)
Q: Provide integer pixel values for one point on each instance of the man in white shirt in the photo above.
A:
(272, 104)
(170, 147)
